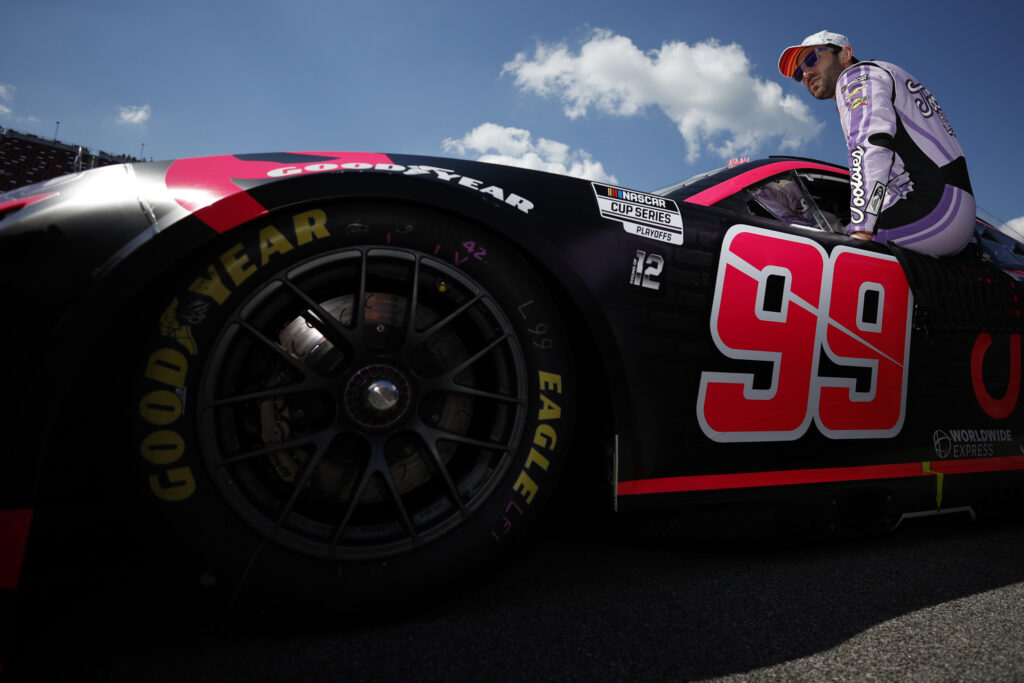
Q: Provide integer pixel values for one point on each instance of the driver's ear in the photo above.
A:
(846, 55)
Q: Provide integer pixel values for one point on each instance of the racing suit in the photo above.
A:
(908, 177)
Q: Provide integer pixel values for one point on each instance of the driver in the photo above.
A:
(783, 199)
(908, 177)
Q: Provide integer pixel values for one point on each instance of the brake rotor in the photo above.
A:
(377, 396)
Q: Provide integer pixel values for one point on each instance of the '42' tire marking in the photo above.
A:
(782, 300)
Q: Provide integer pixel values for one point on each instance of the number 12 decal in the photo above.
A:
(781, 300)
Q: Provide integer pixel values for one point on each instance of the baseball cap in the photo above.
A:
(788, 60)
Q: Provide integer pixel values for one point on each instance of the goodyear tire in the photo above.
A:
(347, 404)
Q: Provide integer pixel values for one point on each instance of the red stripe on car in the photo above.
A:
(712, 482)
(206, 186)
(12, 205)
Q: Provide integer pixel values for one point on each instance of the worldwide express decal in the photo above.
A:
(644, 215)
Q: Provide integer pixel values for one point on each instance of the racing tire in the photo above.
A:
(348, 404)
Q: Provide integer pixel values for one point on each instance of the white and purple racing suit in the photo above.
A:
(908, 177)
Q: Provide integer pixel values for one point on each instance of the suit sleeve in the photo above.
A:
(864, 96)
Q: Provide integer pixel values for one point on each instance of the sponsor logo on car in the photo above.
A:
(968, 443)
(446, 174)
(645, 215)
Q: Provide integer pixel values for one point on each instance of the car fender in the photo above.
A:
(106, 236)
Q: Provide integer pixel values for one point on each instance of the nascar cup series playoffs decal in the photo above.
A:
(644, 215)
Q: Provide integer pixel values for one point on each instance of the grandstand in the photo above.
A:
(27, 159)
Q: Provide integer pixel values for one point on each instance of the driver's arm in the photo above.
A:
(864, 96)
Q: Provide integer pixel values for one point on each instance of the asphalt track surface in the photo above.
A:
(937, 601)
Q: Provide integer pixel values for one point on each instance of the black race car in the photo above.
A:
(333, 377)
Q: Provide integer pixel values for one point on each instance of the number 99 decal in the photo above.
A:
(781, 300)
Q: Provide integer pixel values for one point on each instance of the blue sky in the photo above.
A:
(646, 94)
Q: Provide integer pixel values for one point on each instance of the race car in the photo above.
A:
(328, 378)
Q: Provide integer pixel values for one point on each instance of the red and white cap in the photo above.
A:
(788, 61)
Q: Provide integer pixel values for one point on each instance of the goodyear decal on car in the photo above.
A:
(641, 214)
(209, 187)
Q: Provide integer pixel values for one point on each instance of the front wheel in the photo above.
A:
(359, 407)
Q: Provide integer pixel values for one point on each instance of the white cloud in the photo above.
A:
(134, 115)
(706, 89)
(515, 147)
(7, 95)
(1017, 225)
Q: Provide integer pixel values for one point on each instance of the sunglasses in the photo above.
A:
(809, 61)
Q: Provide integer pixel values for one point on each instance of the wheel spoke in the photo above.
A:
(353, 503)
(453, 490)
(409, 325)
(495, 343)
(432, 329)
(307, 473)
(275, 348)
(242, 456)
(433, 435)
(455, 388)
(396, 497)
(359, 305)
(446, 382)
(325, 323)
(272, 392)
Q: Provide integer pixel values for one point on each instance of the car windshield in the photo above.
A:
(689, 181)
(786, 197)
(800, 198)
(1015, 233)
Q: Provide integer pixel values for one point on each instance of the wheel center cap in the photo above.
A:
(381, 396)
(377, 395)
